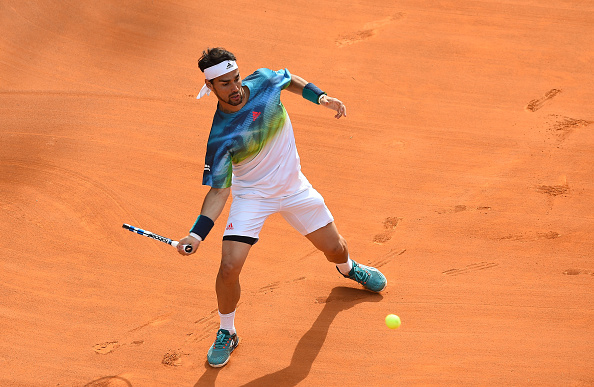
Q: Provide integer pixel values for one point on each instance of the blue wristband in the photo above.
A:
(312, 93)
(202, 226)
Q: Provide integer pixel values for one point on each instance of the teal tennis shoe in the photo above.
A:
(220, 352)
(370, 277)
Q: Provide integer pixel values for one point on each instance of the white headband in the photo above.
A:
(216, 71)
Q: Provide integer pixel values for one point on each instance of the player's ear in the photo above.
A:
(209, 84)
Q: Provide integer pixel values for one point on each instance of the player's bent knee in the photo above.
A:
(336, 248)
(228, 272)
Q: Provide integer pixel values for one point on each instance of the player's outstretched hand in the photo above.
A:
(334, 104)
(189, 240)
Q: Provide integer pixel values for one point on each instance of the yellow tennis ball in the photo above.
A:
(392, 321)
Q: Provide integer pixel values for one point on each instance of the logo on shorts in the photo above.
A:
(255, 115)
(207, 168)
(229, 227)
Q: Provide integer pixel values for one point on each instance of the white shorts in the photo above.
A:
(305, 211)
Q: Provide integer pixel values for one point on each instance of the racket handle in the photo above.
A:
(188, 248)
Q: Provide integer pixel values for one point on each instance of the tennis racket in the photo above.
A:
(148, 234)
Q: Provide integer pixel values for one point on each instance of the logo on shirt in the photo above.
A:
(229, 227)
(255, 115)
(207, 168)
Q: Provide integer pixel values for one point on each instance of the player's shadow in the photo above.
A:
(209, 376)
(308, 348)
(340, 299)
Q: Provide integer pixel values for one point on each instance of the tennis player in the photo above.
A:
(251, 152)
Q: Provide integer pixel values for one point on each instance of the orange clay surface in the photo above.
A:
(464, 171)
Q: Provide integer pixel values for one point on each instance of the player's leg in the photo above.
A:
(243, 227)
(308, 213)
(227, 283)
(228, 288)
(330, 242)
(246, 219)
(228, 293)
(333, 245)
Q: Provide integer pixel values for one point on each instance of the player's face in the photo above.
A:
(228, 89)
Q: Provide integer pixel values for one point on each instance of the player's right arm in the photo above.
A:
(212, 207)
(297, 86)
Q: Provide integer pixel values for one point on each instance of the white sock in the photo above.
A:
(228, 321)
(346, 267)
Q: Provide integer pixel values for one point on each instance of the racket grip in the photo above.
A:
(188, 248)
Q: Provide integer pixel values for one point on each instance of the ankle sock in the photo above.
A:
(228, 322)
(346, 267)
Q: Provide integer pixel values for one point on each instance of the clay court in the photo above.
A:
(464, 171)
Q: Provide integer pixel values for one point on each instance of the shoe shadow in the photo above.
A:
(309, 346)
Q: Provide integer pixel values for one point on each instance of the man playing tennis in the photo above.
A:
(251, 149)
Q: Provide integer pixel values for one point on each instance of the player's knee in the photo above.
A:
(337, 247)
(228, 272)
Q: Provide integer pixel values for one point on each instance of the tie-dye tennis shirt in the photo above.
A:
(253, 150)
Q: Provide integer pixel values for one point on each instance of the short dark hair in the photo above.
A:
(214, 56)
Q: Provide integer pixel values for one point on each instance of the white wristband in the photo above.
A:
(196, 236)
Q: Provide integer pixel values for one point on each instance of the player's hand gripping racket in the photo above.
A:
(187, 248)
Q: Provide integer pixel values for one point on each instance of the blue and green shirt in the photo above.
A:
(253, 150)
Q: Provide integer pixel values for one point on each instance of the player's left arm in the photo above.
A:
(301, 87)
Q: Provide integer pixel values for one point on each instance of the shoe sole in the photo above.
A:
(375, 291)
(226, 361)
(220, 365)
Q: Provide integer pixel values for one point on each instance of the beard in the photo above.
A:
(237, 101)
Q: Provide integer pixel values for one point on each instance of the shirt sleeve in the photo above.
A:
(269, 78)
(282, 78)
(218, 169)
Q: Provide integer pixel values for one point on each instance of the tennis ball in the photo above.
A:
(392, 321)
